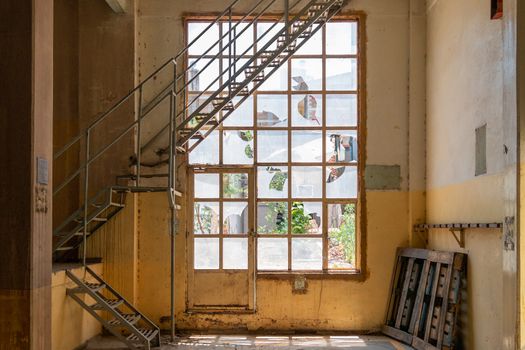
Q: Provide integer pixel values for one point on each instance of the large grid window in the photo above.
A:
(300, 133)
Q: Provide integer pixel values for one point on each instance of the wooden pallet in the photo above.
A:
(425, 298)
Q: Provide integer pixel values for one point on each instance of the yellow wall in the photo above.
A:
(328, 304)
(465, 91)
(71, 325)
(116, 243)
(393, 112)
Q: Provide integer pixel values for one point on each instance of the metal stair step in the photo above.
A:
(100, 219)
(94, 287)
(118, 205)
(220, 100)
(61, 249)
(130, 318)
(251, 70)
(112, 303)
(259, 77)
(185, 132)
(149, 334)
(244, 91)
(199, 118)
(282, 41)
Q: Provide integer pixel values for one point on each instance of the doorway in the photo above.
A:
(221, 255)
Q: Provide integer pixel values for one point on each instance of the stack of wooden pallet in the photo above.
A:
(425, 298)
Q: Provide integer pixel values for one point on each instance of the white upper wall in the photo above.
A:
(464, 89)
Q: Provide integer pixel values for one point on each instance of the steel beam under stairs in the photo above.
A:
(122, 319)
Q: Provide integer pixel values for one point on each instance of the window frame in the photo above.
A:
(361, 262)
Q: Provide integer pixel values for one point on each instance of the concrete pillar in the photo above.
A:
(511, 180)
(26, 109)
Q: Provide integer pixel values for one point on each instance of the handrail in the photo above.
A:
(91, 159)
(112, 109)
(246, 65)
(182, 74)
(236, 60)
(256, 85)
(135, 89)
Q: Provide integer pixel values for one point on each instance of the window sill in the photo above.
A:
(354, 275)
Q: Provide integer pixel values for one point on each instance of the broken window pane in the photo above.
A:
(206, 186)
(207, 152)
(307, 110)
(272, 182)
(272, 254)
(235, 185)
(341, 74)
(272, 110)
(307, 146)
(235, 253)
(307, 74)
(341, 110)
(238, 147)
(341, 146)
(341, 181)
(273, 146)
(307, 182)
(341, 236)
(205, 41)
(206, 253)
(307, 254)
(307, 218)
(206, 218)
(272, 218)
(235, 218)
(242, 115)
(341, 38)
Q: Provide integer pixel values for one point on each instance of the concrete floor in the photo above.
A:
(243, 342)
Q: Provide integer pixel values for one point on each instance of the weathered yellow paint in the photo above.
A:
(329, 304)
(476, 200)
(153, 278)
(465, 90)
(116, 243)
(483, 319)
(71, 325)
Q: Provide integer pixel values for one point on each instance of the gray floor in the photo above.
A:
(244, 342)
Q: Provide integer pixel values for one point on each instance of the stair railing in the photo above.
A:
(84, 143)
(255, 85)
(231, 74)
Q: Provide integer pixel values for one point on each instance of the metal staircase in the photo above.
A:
(124, 321)
(181, 132)
(197, 123)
